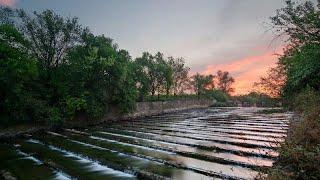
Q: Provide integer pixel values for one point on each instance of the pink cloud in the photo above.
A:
(246, 71)
(9, 3)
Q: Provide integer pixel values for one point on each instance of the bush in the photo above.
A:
(300, 154)
(74, 105)
(218, 95)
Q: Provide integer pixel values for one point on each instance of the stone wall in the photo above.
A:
(151, 108)
(158, 107)
(142, 109)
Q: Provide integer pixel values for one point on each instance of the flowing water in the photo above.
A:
(211, 143)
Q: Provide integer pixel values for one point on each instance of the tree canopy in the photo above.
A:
(53, 69)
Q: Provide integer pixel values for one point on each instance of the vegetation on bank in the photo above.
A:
(296, 78)
(53, 69)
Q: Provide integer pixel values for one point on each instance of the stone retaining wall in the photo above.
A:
(158, 107)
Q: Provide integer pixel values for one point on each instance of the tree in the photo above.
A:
(123, 87)
(145, 75)
(87, 76)
(163, 74)
(273, 83)
(50, 34)
(299, 21)
(101, 75)
(19, 101)
(298, 67)
(155, 74)
(224, 82)
(302, 68)
(179, 75)
(201, 83)
(53, 69)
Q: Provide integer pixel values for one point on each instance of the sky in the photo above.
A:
(231, 35)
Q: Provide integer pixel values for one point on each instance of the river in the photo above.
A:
(209, 143)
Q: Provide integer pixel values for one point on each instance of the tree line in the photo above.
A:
(53, 69)
(296, 79)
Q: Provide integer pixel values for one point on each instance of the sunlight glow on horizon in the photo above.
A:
(8, 3)
(248, 70)
(209, 34)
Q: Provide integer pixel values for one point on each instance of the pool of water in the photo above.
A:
(211, 143)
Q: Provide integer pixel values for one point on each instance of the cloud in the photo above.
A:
(8, 3)
(247, 70)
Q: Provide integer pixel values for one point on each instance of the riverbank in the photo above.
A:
(299, 155)
(143, 109)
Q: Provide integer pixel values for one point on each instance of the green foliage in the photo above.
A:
(52, 69)
(258, 99)
(55, 116)
(303, 69)
(154, 75)
(124, 88)
(180, 73)
(74, 105)
(218, 95)
(102, 74)
(17, 74)
(299, 154)
(201, 83)
(51, 36)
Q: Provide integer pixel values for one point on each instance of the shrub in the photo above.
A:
(218, 95)
(300, 154)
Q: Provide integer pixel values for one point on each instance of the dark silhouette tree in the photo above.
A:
(224, 82)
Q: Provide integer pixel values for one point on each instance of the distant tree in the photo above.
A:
(163, 74)
(272, 84)
(156, 74)
(256, 99)
(179, 75)
(224, 82)
(144, 75)
(218, 95)
(201, 83)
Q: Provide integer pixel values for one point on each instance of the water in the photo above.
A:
(212, 143)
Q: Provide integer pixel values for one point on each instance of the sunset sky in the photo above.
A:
(231, 35)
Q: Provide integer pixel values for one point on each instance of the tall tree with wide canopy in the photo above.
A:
(299, 66)
(179, 75)
(201, 83)
(50, 34)
(225, 81)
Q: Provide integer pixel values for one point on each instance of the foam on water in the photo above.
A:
(93, 165)
(27, 156)
(59, 175)
(102, 148)
(132, 145)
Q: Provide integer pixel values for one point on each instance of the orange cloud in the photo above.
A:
(9, 3)
(246, 71)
